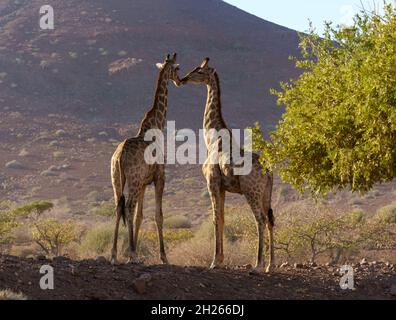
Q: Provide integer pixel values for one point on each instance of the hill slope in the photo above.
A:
(65, 70)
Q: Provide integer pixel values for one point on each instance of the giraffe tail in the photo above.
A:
(121, 201)
(271, 218)
(121, 208)
(270, 213)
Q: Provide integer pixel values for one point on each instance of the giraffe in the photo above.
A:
(128, 165)
(220, 178)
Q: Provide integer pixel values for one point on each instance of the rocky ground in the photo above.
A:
(98, 280)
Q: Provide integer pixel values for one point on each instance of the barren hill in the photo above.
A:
(65, 70)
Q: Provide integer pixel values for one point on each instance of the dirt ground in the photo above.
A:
(98, 280)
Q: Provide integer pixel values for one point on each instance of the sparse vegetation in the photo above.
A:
(52, 235)
(301, 234)
(11, 295)
(106, 209)
(99, 240)
(177, 222)
(34, 209)
(387, 214)
(8, 222)
(14, 164)
(58, 154)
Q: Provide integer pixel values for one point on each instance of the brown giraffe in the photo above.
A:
(128, 165)
(256, 186)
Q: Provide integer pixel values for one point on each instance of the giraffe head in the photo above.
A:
(170, 68)
(201, 74)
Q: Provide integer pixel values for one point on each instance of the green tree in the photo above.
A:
(34, 209)
(7, 222)
(339, 127)
(52, 235)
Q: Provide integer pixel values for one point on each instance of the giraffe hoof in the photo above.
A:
(164, 260)
(134, 260)
(114, 261)
(269, 269)
(214, 266)
(256, 271)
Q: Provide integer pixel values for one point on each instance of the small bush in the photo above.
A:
(14, 164)
(189, 182)
(387, 214)
(7, 224)
(23, 251)
(58, 154)
(205, 194)
(52, 235)
(177, 222)
(106, 209)
(98, 240)
(239, 224)
(10, 295)
(24, 153)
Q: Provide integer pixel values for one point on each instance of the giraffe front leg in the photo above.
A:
(159, 218)
(217, 198)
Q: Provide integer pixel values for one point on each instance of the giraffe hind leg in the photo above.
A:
(131, 204)
(270, 230)
(139, 217)
(260, 221)
(120, 212)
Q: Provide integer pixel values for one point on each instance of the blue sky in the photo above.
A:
(295, 14)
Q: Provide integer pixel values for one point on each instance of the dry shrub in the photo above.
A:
(98, 241)
(177, 222)
(240, 241)
(10, 295)
(24, 251)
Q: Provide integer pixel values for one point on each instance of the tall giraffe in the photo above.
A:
(128, 165)
(220, 177)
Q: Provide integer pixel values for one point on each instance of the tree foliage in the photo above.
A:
(7, 222)
(52, 235)
(339, 127)
(34, 209)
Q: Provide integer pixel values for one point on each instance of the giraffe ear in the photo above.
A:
(159, 65)
(205, 63)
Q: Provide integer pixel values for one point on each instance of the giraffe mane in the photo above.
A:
(152, 109)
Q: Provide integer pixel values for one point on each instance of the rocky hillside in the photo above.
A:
(64, 71)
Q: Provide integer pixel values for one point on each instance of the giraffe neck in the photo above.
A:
(155, 118)
(213, 118)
